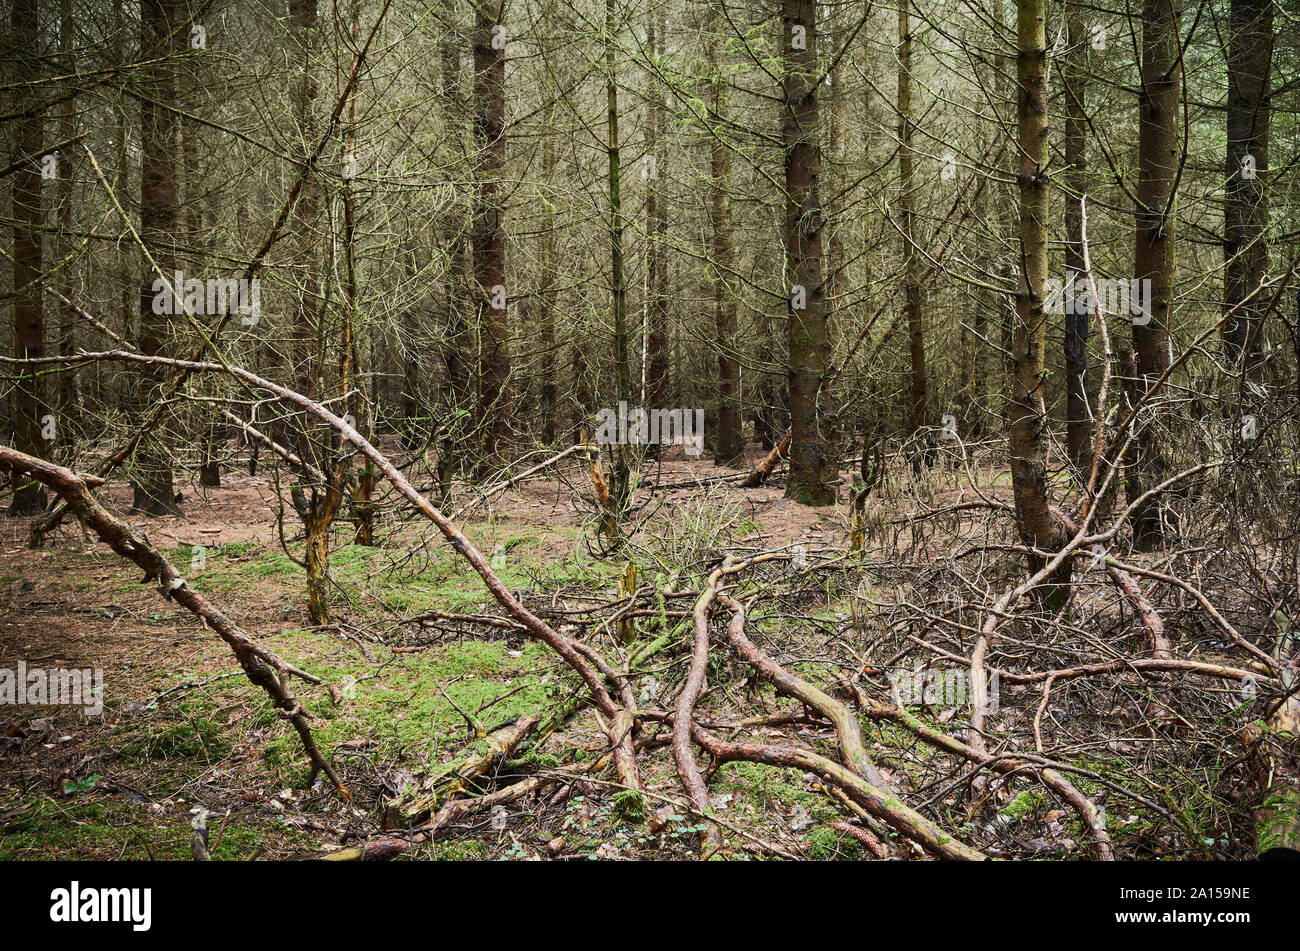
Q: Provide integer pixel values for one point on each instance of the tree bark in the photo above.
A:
(1074, 178)
(316, 502)
(546, 293)
(912, 303)
(69, 402)
(1153, 257)
(657, 357)
(621, 469)
(357, 404)
(458, 379)
(1245, 203)
(729, 449)
(489, 239)
(813, 462)
(212, 427)
(1027, 416)
(29, 398)
(160, 36)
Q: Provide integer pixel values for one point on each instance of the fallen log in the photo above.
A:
(417, 804)
(764, 469)
(378, 850)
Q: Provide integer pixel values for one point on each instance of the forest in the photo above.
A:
(619, 430)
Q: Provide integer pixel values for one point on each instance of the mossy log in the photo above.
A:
(417, 803)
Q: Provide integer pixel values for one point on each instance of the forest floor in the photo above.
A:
(124, 784)
(183, 730)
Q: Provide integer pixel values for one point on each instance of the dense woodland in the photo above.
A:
(988, 313)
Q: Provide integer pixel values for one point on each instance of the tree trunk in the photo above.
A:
(1007, 203)
(1027, 416)
(621, 470)
(160, 35)
(1074, 178)
(489, 238)
(412, 349)
(458, 381)
(1153, 257)
(912, 304)
(28, 400)
(1245, 203)
(192, 215)
(302, 13)
(771, 399)
(69, 394)
(657, 369)
(359, 407)
(316, 557)
(730, 445)
(813, 463)
(547, 291)
(316, 502)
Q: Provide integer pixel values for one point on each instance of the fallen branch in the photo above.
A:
(620, 726)
(845, 720)
(880, 803)
(500, 487)
(764, 469)
(450, 778)
(688, 768)
(1091, 816)
(263, 668)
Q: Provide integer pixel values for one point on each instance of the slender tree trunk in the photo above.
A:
(192, 215)
(1245, 204)
(120, 389)
(621, 469)
(316, 559)
(69, 398)
(1007, 203)
(316, 503)
(413, 354)
(458, 380)
(29, 399)
(1153, 257)
(458, 385)
(359, 406)
(730, 444)
(836, 186)
(489, 237)
(657, 364)
(771, 393)
(546, 293)
(1027, 416)
(1074, 178)
(307, 316)
(912, 303)
(813, 462)
(151, 472)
